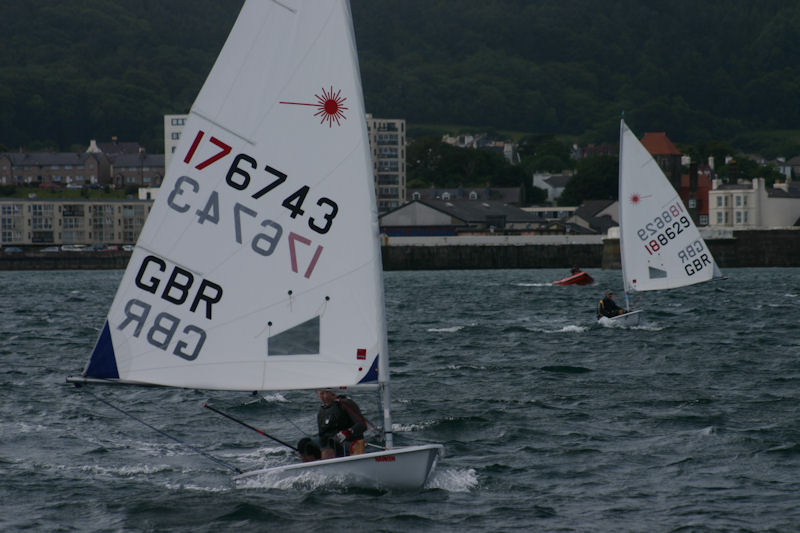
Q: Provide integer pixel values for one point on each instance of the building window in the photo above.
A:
(738, 201)
(719, 217)
(738, 216)
(719, 201)
(692, 203)
(703, 220)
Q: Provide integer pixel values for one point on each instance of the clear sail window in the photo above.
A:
(303, 339)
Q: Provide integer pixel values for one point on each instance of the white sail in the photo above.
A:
(660, 245)
(259, 266)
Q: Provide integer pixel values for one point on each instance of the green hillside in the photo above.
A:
(701, 71)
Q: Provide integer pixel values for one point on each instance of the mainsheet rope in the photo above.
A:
(196, 450)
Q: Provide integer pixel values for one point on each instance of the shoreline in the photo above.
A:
(741, 248)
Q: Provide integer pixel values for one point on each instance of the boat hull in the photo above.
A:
(581, 278)
(399, 468)
(626, 320)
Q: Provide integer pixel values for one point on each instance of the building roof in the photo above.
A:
(475, 211)
(134, 160)
(657, 143)
(793, 192)
(115, 147)
(512, 195)
(558, 180)
(590, 208)
(590, 211)
(49, 158)
(735, 187)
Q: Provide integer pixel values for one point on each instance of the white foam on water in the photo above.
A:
(451, 329)
(453, 479)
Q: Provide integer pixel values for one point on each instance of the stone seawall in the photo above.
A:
(488, 256)
(64, 260)
(737, 249)
(731, 249)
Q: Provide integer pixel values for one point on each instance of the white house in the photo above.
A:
(752, 205)
(553, 184)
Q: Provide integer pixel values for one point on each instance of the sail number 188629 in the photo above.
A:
(664, 228)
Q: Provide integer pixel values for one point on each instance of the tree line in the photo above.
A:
(724, 72)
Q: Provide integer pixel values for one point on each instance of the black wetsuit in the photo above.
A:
(341, 415)
(608, 307)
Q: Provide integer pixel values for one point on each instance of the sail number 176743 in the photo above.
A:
(240, 177)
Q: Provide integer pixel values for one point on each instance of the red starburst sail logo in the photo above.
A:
(330, 106)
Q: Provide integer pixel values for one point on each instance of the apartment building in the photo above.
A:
(34, 222)
(387, 143)
(173, 127)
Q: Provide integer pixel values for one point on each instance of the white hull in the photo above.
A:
(628, 320)
(399, 468)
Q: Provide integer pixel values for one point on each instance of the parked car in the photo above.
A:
(49, 249)
(74, 248)
(12, 250)
(127, 247)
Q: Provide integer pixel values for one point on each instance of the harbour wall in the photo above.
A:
(731, 249)
(111, 260)
(492, 251)
(736, 249)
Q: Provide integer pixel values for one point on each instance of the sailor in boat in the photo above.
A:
(608, 307)
(575, 270)
(341, 425)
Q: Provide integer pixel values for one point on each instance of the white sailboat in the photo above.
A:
(660, 246)
(259, 266)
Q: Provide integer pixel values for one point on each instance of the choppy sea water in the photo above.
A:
(551, 422)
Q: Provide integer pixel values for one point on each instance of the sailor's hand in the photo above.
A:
(343, 435)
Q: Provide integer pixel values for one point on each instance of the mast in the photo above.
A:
(377, 263)
(622, 128)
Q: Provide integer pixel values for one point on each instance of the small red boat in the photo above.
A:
(579, 278)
